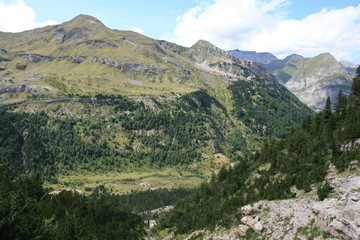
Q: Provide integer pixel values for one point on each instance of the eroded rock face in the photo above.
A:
(221, 61)
(341, 216)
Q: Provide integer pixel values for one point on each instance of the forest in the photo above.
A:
(171, 135)
(28, 211)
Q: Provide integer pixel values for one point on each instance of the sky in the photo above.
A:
(282, 27)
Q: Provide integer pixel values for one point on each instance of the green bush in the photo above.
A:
(324, 190)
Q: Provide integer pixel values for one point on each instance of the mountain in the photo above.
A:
(312, 80)
(85, 57)
(79, 96)
(258, 57)
(350, 67)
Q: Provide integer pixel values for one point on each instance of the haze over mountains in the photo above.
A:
(312, 80)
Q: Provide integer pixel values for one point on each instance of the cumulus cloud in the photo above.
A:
(17, 16)
(262, 25)
(138, 30)
(335, 31)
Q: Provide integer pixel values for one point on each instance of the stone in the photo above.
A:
(247, 210)
(241, 230)
(258, 227)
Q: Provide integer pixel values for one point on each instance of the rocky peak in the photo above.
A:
(204, 50)
(78, 28)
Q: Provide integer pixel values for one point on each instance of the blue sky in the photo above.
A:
(306, 27)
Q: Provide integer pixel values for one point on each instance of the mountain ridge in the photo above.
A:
(259, 57)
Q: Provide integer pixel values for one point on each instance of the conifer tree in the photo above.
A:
(355, 89)
(327, 110)
(340, 106)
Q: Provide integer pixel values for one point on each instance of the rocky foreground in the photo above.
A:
(305, 217)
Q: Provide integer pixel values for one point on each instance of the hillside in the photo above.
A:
(312, 79)
(315, 168)
(92, 98)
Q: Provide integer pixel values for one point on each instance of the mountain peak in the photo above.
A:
(203, 50)
(86, 20)
(294, 55)
(203, 43)
(85, 17)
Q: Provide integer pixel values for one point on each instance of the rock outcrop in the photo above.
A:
(336, 217)
(213, 58)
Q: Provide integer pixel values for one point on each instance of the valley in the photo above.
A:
(101, 126)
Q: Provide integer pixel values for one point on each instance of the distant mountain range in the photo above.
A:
(310, 79)
(259, 57)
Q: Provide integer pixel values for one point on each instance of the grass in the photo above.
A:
(122, 183)
(311, 232)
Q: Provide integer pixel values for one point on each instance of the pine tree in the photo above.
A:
(340, 106)
(327, 113)
(355, 89)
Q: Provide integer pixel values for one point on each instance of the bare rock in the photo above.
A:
(241, 230)
(340, 217)
(248, 210)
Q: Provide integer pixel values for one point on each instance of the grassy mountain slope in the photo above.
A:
(87, 97)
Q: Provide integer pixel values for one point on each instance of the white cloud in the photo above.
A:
(17, 17)
(262, 25)
(138, 30)
(335, 31)
(227, 22)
